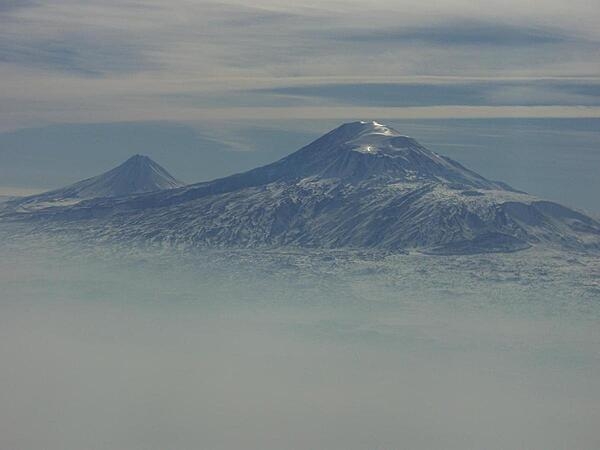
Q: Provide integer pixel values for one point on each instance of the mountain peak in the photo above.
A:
(370, 125)
(368, 137)
(361, 150)
(137, 175)
(354, 130)
(138, 159)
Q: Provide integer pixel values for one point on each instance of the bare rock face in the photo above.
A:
(362, 185)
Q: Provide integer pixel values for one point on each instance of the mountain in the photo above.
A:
(362, 185)
(138, 175)
(366, 150)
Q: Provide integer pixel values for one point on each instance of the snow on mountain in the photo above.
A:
(138, 175)
(365, 150)
(362, 185)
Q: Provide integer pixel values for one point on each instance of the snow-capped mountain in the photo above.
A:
(368, 150)
(362, 185)
(138, 175)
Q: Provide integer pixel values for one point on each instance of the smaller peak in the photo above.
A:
(139, 157)
(138, 160)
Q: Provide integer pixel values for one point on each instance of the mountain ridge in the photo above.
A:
(362, 185)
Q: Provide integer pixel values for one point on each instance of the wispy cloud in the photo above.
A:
(133, 58)
(462, 32)
(473, 93)
(9, 5)
(80, 53)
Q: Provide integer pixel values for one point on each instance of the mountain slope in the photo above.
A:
(361, 185)
(360, 150)
(138, 175)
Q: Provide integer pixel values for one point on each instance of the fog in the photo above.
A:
(155, 349)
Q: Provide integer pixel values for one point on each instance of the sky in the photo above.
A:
(67, 61)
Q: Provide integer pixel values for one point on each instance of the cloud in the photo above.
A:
(80, 53)
(463, 32)
(72, 38)
(501, 93)
(70, 60)
(10, 5)
(386, 94)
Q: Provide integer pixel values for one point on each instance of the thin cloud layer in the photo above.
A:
(472, 93)
(69, 60)
(463, 32)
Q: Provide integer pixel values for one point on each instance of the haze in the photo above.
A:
(223, 350)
